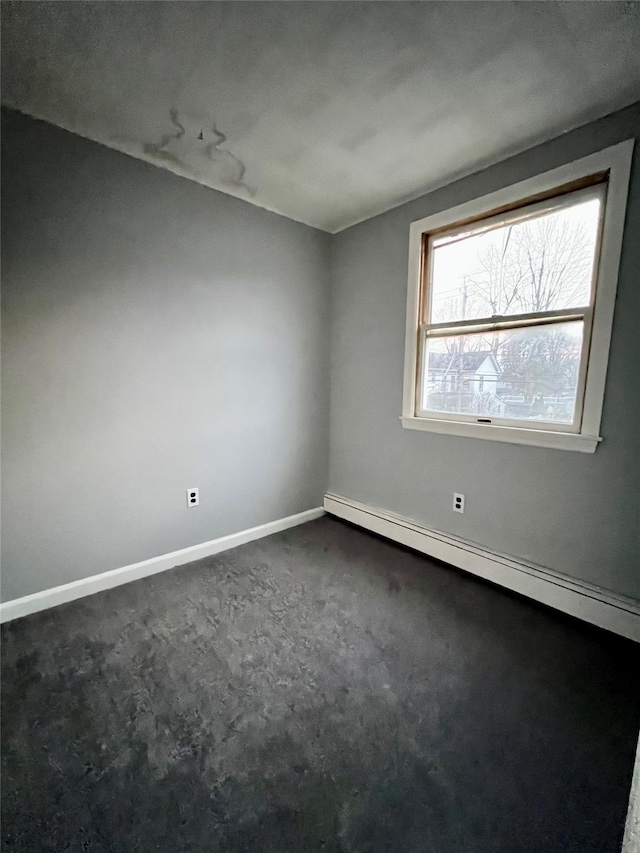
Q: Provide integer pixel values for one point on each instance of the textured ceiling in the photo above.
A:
(326, 112)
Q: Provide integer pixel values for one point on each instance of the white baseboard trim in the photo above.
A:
(116, 577)
(606, 609)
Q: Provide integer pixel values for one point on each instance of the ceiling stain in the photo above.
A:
(160, 150)
(194, 147)
(385, 101)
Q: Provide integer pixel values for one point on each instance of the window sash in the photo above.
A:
(522, 321)
(516, 215)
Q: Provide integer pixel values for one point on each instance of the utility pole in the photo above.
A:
(465, 296)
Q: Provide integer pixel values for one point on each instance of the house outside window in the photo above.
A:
(510, 308)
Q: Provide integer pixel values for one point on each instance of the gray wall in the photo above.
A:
(159, 335)
(572, 512)
(156, 335)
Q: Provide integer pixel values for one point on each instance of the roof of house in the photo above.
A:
(466, 362)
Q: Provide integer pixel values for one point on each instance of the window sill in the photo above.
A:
(511, 435)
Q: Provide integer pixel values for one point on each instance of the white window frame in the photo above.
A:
(616, 162)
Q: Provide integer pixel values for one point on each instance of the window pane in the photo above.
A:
(526, 374)
(542, 264)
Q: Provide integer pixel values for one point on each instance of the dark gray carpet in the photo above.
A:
(319, 690)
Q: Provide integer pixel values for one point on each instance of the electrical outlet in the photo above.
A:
(458, 502)
(193, 497)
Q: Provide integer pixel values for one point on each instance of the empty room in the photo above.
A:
(320, 443)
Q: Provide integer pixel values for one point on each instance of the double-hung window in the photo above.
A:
(510, 308)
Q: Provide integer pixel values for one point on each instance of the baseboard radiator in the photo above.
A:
(585, 601)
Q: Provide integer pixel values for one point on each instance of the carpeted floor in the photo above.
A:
(319, 690)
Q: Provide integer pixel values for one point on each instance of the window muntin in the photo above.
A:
(517, 288)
